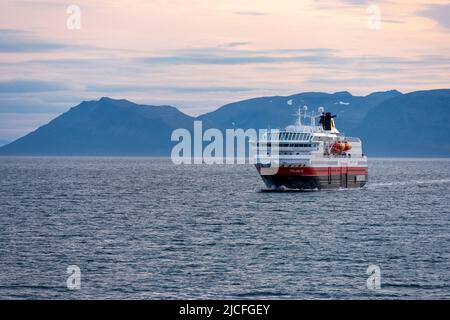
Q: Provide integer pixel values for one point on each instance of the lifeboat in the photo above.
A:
(337, 147)
(347, 146)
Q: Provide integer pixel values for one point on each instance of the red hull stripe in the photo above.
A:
(319, 171)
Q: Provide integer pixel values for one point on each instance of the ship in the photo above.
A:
(310, 155)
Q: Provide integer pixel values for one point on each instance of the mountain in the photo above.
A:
(413, 124)
(278, 111)
(104, 127)
(390, 124)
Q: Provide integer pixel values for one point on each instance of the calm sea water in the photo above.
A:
(144, 228)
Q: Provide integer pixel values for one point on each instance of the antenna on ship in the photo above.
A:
(299, 117)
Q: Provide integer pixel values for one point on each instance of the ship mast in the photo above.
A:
(298, 122)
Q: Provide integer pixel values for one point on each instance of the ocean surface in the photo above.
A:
(143, 228)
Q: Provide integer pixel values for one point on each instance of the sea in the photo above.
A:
(144, 228)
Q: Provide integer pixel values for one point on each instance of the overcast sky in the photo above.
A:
(200, 54)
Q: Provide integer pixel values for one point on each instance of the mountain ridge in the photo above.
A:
(121, 127)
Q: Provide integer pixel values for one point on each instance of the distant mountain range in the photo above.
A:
(3, 142)
(390, 124)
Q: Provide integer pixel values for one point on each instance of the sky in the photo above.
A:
(198, 55)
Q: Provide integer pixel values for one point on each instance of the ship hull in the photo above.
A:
(324, 178)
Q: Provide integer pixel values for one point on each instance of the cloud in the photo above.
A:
(215, 56)
(420, 60)
(356, 2)
(237, 44)
(318, 57)
(178, 89)
(12, 40)
(439, 13)
(28, 86)
(250, 13)
(392, 21)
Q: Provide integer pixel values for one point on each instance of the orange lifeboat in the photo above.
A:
(347, 146)
(337, 147)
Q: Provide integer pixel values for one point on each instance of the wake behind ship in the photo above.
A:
(310, 156)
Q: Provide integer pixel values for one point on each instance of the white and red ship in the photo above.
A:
(311, 157)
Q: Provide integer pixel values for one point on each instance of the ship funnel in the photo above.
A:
(327, 121)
